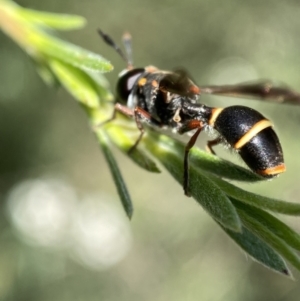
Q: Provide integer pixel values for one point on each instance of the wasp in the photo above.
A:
(171, 99)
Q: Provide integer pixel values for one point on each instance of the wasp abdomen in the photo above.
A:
(236, 121)
(251, 134)
(263, 154)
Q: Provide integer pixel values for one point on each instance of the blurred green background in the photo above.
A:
(63, 234)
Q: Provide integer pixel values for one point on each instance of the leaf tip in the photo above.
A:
(110, 67)
(128, 210)
(236, 226)
(287, 272)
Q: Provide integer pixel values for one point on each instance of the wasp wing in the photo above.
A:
(179, 82)
(263, 90)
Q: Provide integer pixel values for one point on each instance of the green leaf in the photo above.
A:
(271, 238)
(259, 250)
(77, 82)
(56, 21)
(271, 223)
(66, 52)
(205, 192)
(116, 174)
(142, 160)
(102, 85)
(39, 43)
(124, 141)
(256, 200)
(45, 72)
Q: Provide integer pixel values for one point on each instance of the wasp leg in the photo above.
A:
(211, 143)
(117, 108)
(191, 125)
(140, 116)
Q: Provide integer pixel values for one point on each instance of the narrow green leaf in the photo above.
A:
(141, 159)
(205, 192)
(272, 223)
(77, 82)
(103, 87)
(252, 224)
(56, 21)
(37, 42)
(124, 141)
(257, 200)
(45, 72)
(116, 174)
(69, 53)
(259, 250)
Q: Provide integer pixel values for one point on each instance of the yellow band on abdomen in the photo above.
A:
(258, 127)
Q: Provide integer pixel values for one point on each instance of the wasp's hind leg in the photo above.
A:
(211, 143)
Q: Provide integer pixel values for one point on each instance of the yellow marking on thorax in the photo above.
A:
(151, 69)
(154, 84)
(142, 81)
(176, 116)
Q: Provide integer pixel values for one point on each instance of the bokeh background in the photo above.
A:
(63, 233)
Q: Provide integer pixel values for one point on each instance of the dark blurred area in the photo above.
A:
(63, 233)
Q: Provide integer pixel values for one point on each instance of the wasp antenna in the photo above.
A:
(127, 41)
(109, 41)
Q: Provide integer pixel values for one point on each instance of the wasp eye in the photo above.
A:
(127, 81)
